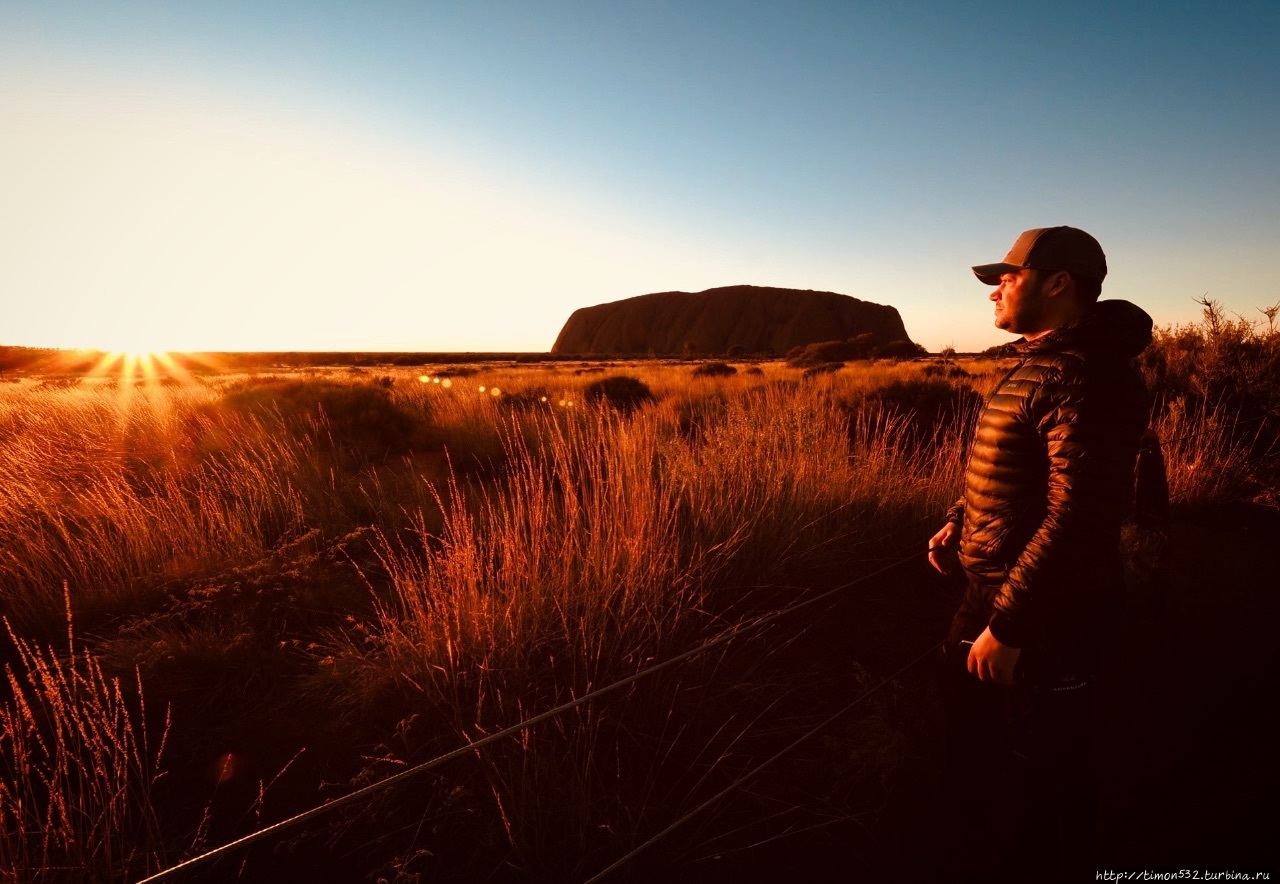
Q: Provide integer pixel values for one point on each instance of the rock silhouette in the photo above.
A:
(759, 319)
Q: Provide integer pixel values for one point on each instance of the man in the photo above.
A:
(1036, 536)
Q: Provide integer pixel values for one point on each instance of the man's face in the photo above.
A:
(1020, 303)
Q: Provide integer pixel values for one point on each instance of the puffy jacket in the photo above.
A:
(1050, 479)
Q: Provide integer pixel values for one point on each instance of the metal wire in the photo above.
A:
(723, 639)
(333, 804)
(740, 781)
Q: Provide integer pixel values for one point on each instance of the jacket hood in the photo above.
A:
(1110, 325)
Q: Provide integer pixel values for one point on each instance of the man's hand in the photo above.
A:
(942, 548)
(992, 661)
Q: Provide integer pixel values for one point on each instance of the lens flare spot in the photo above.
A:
(423, 379)
(496, 392)
(482, 388)
(446, 383)
(227, 766)
(435, 380)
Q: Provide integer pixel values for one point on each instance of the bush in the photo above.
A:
(823, 368)
(1225, 369)
(714, 370)
(926, 407)
(863, 345)
(1218, 361)
(999, 351)
(945, 371)
(900, 350)
(525, 400)
(824, 352)
(623, 392)
(362, 421)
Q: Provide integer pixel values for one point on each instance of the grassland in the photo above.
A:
(232, 597)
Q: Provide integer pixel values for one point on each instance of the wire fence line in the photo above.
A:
(524, 724)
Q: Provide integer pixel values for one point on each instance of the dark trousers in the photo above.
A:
(1019, 789)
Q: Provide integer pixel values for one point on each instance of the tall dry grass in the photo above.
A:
(114, 493)
(612, 540)
(530, 544)
(77, 770)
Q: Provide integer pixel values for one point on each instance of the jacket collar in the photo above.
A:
(1111, 325)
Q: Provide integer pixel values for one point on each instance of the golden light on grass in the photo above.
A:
(112, 497)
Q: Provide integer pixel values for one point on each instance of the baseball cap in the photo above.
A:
(1049, 248)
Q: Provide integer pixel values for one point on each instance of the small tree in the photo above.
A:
(902, 349)
(1271, 313)
(863, 345)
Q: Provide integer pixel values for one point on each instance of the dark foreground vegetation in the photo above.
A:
(232, 596)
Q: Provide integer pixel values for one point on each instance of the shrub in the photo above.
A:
(945, 371)
(714, 370)
(361, 420)
(822, 352)
(524, 400)
(1218, 361)
(621, 391)
(823, 368)
(925, 407)
(999, 351)
(1222, 367)
(900, 350)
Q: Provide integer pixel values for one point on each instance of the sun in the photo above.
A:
(140, 363)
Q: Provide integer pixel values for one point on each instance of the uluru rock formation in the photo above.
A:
(759, 319)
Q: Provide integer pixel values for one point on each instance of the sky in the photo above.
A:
(461, 176)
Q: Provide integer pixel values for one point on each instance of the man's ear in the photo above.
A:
(1058, 284)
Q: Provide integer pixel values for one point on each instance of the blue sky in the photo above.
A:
(462, 176)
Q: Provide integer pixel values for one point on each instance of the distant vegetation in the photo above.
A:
(203, 579)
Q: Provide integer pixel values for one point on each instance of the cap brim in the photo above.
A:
(990, 273)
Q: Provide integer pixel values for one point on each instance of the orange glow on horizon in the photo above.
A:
(148, 366)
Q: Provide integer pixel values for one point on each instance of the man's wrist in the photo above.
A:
(1005, 630)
